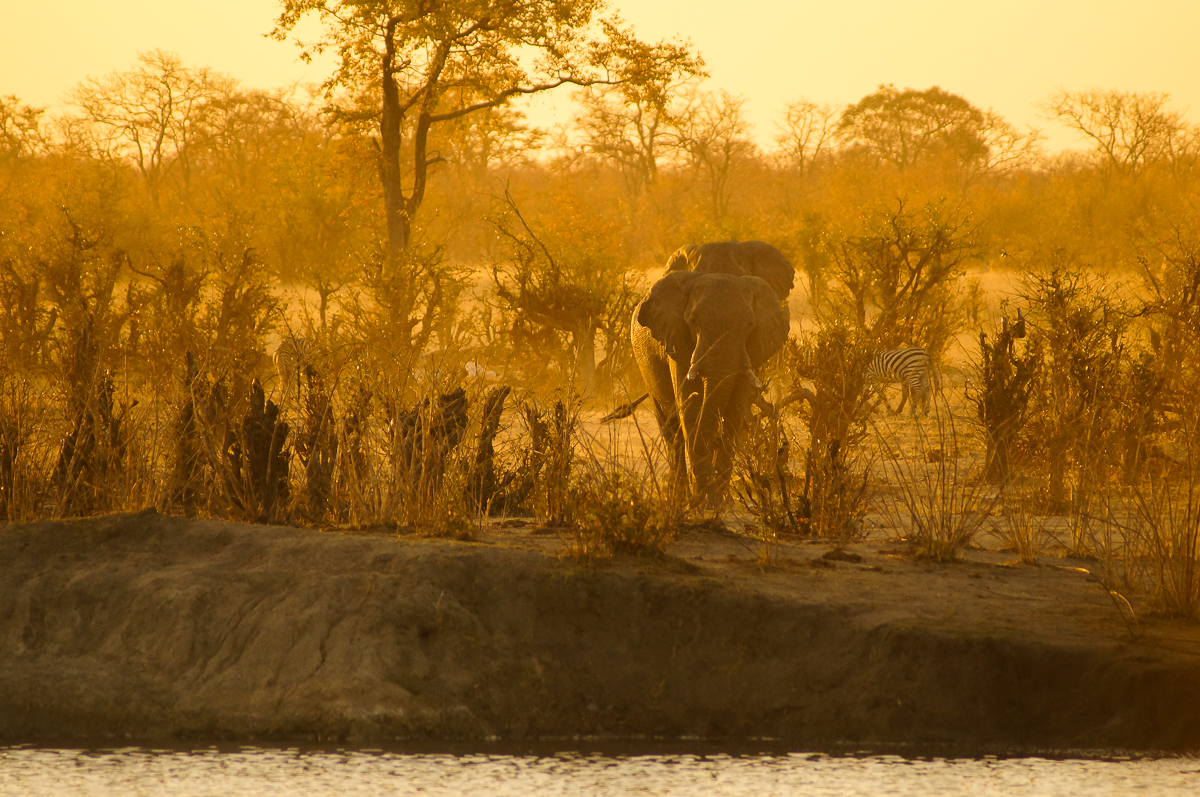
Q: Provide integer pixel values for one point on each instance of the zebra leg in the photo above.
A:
(904, 391)
(881, 391)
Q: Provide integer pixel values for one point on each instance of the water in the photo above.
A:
(249, 771)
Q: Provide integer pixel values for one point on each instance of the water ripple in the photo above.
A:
(133, 772)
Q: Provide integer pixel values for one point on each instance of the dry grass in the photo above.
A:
(373, 443)
(1021, 530)
(934, 495)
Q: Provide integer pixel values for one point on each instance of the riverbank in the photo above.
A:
(152, 628)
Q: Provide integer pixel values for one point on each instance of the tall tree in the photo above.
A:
(714, 135)
(806, 134)
(148, 114)
(1128, 129)
(904, 127)
(21, 138)
(631, 124)
(20, 129)
(435, 61)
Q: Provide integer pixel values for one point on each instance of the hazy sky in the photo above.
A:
(1001, 54)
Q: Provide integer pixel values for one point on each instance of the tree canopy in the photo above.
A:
(433, 61)
(904, 127)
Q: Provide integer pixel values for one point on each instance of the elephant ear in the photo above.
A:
(771, 265)
(682, 258)
(771, 322)
(662, 312)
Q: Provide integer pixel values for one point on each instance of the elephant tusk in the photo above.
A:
(754, 380)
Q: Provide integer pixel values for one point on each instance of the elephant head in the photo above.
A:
(698, 339)
(741, 258)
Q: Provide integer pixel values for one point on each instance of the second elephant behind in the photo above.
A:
(740, 258)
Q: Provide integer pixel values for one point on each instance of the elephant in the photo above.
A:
(741, 258)
(698, 339)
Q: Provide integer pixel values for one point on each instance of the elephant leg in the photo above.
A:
(672, 431)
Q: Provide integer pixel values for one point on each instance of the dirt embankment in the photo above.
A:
(154, 628)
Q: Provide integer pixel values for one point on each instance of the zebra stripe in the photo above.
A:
(291, 356)
(911, 368)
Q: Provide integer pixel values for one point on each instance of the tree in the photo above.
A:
(715, 137)
(1128, 129)
(435, 61)
(630, 124)
(495, 136)
(807, 134)
(905, 127)
(237, 133)
(564, 288)
(149, 114)
(20, 129)
(21, 138)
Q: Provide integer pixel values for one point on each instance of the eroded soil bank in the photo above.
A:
(153, 628)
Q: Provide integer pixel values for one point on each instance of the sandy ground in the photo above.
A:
(152, 628)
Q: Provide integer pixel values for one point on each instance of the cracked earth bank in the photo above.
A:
(154, 629)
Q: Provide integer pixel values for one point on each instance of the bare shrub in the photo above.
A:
(762, 481)
(899, 275)
(615, 513)
(1006, 376)
(836, 410)
(564, 291)
(1076, 395)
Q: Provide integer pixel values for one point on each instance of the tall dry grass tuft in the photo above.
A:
(623, 505)
(1161, 538)
(96, 469)
(1167, 527)
(21, 414)
(932, 494)
(423, 441)
(316, 445)
(1022, 531)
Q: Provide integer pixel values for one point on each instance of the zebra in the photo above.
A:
(292, 356)
(911, 368)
